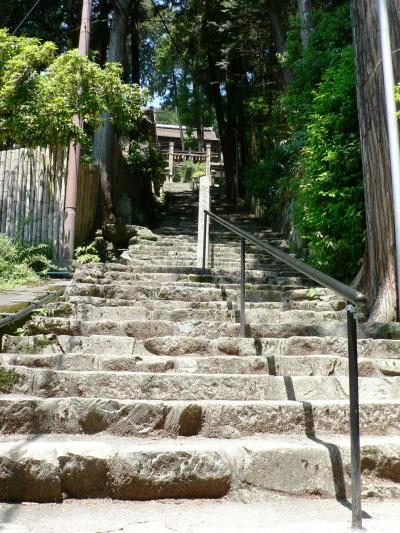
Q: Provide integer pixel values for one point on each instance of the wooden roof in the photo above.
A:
(172, 131)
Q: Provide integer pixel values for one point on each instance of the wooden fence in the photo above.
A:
(32, 195)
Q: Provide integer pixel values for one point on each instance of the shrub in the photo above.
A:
(21, 262)
(188, 171)
(329, 215)
(40, 92)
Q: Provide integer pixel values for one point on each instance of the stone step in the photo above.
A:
(144, 329)
(154, 260)
(278, 365)
(146, 268)
(208, 418)
(185, 386)
(270, 278)
(285, 284)
(138, 312)
(191, 246)
(189, 252)
(287, 305)
(50, 468)
(184, 345)
(197, 293)
(190, 249)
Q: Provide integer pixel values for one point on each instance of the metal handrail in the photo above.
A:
(348, 293)
(352, 297)
(20, 315)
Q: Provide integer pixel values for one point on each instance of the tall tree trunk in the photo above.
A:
(102, 31)
(227, 137)
(275, 15)
(304, 10)
(379, 275)
(199, 115)
(175, 88)
(135, 43)
(103, 143)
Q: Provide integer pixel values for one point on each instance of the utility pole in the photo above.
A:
(71, 192)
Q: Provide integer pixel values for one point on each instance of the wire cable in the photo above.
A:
(26, 16)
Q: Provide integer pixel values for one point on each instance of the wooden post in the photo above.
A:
(204, 204)
(170, 161)
(75, 152)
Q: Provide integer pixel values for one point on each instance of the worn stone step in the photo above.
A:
(138, 312)
(208, 418)
(143, 329)
(190, 246)
(184, 345)
(286, 305)
(280, 365)
(196, 293)
(51, 468)
(158, 279)
(186, 386)
(189, 252)
(268, 285)
(146, 267)
(251, 264)
(143, 363)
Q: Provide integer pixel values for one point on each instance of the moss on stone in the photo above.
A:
(8, 378)
(201, 279)
(13, 308)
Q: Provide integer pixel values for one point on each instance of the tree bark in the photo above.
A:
(135, 43)
(175, 88)
(104, 137)
(379, 272)
(304, 10)
(213, 86)
(279, 37)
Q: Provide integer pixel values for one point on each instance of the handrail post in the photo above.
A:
(205, 241)
(208, 160)
(354, 419)
(242, 287)
(203, 222)
(171, 161)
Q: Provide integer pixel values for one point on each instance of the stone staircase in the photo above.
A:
(137, 386)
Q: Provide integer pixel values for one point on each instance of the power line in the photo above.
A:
(26, 16)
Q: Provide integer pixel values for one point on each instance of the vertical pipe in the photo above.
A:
(393, 128)
(71, 193)
(354, 420)
(242, 287)
(204, 241)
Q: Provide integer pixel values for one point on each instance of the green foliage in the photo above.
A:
(86, 254)
(190, 141)
(189, 171)
(329, 213)
(21, 262)
(166, 115)
(146, 161)
(332, 32)
(311, 146)
(40, 93)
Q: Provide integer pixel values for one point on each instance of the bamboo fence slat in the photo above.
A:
(17, 193)
(32, 196)
(3, 156)
(8, 192)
